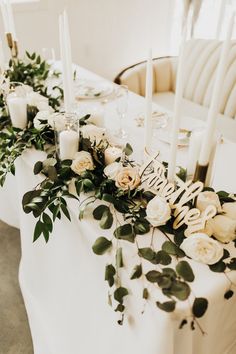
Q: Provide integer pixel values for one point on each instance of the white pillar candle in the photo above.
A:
(148, 93)
(177, 109)
(111, 154)
(11, 19)
(194, 151)
(68, 144)
(5, 16)
(17, 107)
(216, 97)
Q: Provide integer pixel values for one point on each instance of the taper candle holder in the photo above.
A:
(9, 40)
(12, 44)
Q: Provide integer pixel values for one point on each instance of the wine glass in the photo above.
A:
(121, 108)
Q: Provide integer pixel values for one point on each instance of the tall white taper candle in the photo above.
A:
(64, 65)
(68, 58)
(148, 116)
(5, 16)
(209, 135)
(177, 109)
(11, 19)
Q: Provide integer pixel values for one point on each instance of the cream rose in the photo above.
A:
(158, 211)
(230, 210)
(57, 121)
(111, 170)
(83, 161)
(208, 198)
(127, 178)
(202, 248)
(93, 133)
(42, 115)
(224, 228)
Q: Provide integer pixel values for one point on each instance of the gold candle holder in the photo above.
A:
(9, 40)
(15, 49)
(200, 173)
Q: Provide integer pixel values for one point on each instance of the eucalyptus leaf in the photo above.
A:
(136, 272)
(184, 270)
(180, 290)
(199, 307)
(146, 253)
(109, 274)
(120, 293)
(172, 249)
(119, 258)
(125, 232)
(153, 276)
(98, 211)
(168, 306)
(101, 245)
(106, 220)
(228, 294)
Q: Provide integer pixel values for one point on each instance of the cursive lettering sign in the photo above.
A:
(179, 194)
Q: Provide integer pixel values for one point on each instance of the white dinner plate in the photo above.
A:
(93, 89)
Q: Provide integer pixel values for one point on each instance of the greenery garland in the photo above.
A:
(33, 72)
(48, 201)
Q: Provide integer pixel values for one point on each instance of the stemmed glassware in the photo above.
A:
(121, 108)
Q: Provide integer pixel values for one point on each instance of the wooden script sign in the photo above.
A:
(180, 196)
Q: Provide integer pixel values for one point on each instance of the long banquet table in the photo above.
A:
(63, 282)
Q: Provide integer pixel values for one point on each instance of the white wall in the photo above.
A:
(107, 35)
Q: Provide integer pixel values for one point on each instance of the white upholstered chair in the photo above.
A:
(202, 59)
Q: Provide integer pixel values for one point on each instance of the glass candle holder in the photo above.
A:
(67, 132)
(17, 104)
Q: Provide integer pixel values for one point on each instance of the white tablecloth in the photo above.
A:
(63, 282)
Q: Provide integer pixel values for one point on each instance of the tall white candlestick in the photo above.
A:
(5, 16)
(148, 116)
(64, 67)
(18, 111)
(11, 19)
(67, 75)
(69, 144)
(68, 58)
(177, 109)
(215, 102)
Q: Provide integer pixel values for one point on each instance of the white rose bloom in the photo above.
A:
(224, 228)
(93, 133)
(201, 248)
(111, 154)
(158, 211)
(57, 121)
(42, 115)
(207, 198)
(230, 210)
(112, 169)
(37, 100)
(83, 161)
